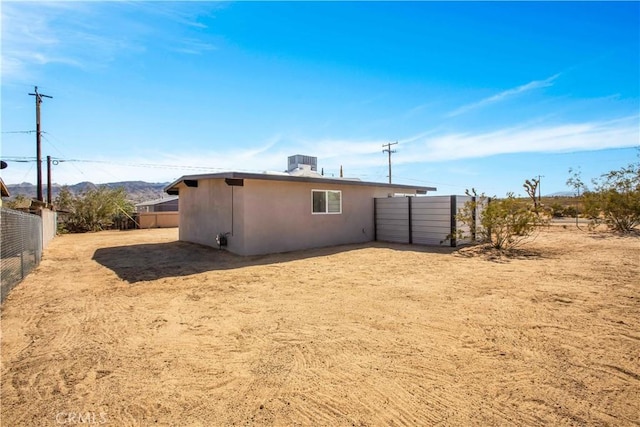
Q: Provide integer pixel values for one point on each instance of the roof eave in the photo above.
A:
(174, 189)
(4, 190)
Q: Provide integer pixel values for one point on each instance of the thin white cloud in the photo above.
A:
(36, 34)
(428, 147)
(89, 35)
(586, 136)
(194, 47)
(175, 11)
(536, 84)
(360, 158)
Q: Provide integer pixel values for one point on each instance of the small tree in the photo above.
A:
(65, 200)
(503, 223)
(93, 210)
(615, 200)
(20, 201)
(575, 181)
(531, 186)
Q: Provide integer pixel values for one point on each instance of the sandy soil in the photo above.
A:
(135, 328)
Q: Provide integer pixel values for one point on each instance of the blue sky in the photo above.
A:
(481, 95)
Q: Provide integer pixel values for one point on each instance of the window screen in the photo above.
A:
(327, 202)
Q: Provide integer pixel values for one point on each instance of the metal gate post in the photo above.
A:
(375, 219)
(454, 228)
(410, 222)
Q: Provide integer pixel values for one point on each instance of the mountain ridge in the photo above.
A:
(137, 191)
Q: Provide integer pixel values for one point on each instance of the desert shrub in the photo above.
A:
(20, 201)
(95, 209)
(615, 200)
(503, 223)
(557, 210)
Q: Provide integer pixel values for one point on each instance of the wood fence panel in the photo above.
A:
(422, 220)
(431, 220)
(392, 219)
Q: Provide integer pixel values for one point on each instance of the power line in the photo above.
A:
(45, 134)
(62, 154)
(19, 159)
(27, 173)
(143, 165)
(431, 182)
(19, 131)
(377, 173)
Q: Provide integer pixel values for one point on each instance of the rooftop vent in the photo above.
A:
(296, 161)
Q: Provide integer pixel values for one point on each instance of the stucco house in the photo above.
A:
(4, 191)
(261, 213)
(165, 204)
(158, 213)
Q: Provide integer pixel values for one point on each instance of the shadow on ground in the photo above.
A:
(500, 256)
(152, 261)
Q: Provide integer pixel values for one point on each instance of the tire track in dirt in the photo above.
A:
(325, 337)
(340, 365)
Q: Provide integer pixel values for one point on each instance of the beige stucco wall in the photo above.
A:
(207, 210)
(158, 219)
(278, 217)
(274, 216)
(49, 226)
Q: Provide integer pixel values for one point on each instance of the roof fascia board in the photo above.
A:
(288, 178)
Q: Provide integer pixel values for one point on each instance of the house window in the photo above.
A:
(327, 201)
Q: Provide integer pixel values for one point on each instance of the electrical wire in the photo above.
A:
(20, 131)
(429, 182)
(45, 136)
(26, 159)
(60, 152)
(19, 159)
(27, 173)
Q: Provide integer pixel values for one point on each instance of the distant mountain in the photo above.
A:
(562, 194)
(137, 191)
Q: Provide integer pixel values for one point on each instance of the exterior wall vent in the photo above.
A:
(299, 159)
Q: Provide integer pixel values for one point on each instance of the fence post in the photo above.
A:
(410, 221)
(454, 226)
(21, 262)
(489, 227)
(375, 219)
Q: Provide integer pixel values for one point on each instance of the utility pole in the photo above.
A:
(39, 97)
(49, 180)
(390, 151)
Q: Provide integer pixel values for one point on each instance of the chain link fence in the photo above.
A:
(20, 247)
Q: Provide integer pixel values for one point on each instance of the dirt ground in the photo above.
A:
(137, 329)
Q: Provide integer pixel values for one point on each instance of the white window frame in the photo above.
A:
(326, 192)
